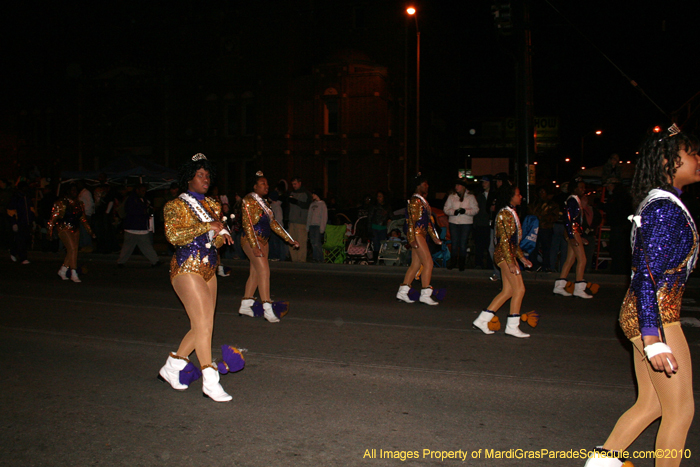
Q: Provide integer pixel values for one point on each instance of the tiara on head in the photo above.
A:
(673, 130)
(198, 157)
(259, 173)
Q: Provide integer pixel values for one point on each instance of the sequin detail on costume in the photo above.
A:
(259, 223)
(66, 216)
(190, 236)
(507, 237)
(669, 238)
(418, 220)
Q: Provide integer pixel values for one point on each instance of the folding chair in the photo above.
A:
(334, 244)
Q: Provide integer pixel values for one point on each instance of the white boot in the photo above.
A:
(596, 461)
(74, 276)
(426, 296)
(211, 387)
(170, 373)
(62, 272)
(512, 327)
(247, 307)
(402, 294)
(559, 288)
(269, 314)
(580, 290)
(482, 321)
(222, 272)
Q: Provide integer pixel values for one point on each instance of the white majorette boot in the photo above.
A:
(559, 289)
(426, 296)
(62, 272)
(210, 385)
(220, 271)
(269, 314)
(600, 461)
(170, 373)
(482, 321)
(74, 276)
(402, 294)
(580, 290)
(513, 328)
(247, 307)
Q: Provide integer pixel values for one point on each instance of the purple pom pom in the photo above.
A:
(278, 308)
(257, 308)
(232, 360)
(439, 294)
(189, 374)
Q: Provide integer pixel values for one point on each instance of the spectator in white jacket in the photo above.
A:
(316, 226)
(461, 207)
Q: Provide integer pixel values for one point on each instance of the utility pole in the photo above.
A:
(525, 129)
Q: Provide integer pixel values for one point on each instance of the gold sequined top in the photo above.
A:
(258, 224)
(507, 237)
(418, 221)
(67, 214)
(194, 254)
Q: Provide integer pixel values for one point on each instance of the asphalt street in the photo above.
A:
(349, 373)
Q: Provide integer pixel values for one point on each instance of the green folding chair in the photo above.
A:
(334, 244)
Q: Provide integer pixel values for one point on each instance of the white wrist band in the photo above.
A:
(224, 232)
(655, 349)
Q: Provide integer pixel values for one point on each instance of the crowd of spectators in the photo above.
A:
(124, 217)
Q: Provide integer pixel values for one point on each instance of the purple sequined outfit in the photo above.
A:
(663, 250)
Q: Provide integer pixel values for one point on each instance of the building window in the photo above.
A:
(331, 112)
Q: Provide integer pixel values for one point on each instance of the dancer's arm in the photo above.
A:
(414, 210)
(181, 227)
(656, 255)
(250, 216)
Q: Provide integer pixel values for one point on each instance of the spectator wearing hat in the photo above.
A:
(461, 207)
(482, 224)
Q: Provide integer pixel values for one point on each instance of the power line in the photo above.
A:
(631, 81)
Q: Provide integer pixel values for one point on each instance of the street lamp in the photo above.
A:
(412, 12)
(583, 138)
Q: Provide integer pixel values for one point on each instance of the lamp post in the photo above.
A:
(412, 12)
(583, 138)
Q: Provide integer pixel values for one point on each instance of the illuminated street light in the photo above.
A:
(412, 12)
(657, 129)
(567, 160)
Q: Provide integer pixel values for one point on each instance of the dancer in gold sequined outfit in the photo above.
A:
(66, 216)
(194, 226)
(418, 225)
(664, 252)
(258, 224)
(508, 234)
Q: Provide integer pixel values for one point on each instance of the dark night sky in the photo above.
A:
(467, 69)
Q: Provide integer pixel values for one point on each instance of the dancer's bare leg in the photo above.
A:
(199, 298)
(259, 273)
(505, 293)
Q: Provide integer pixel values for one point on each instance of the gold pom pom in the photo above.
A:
(531, 318)
(494, 324)
(593, 287)
(569, 287)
